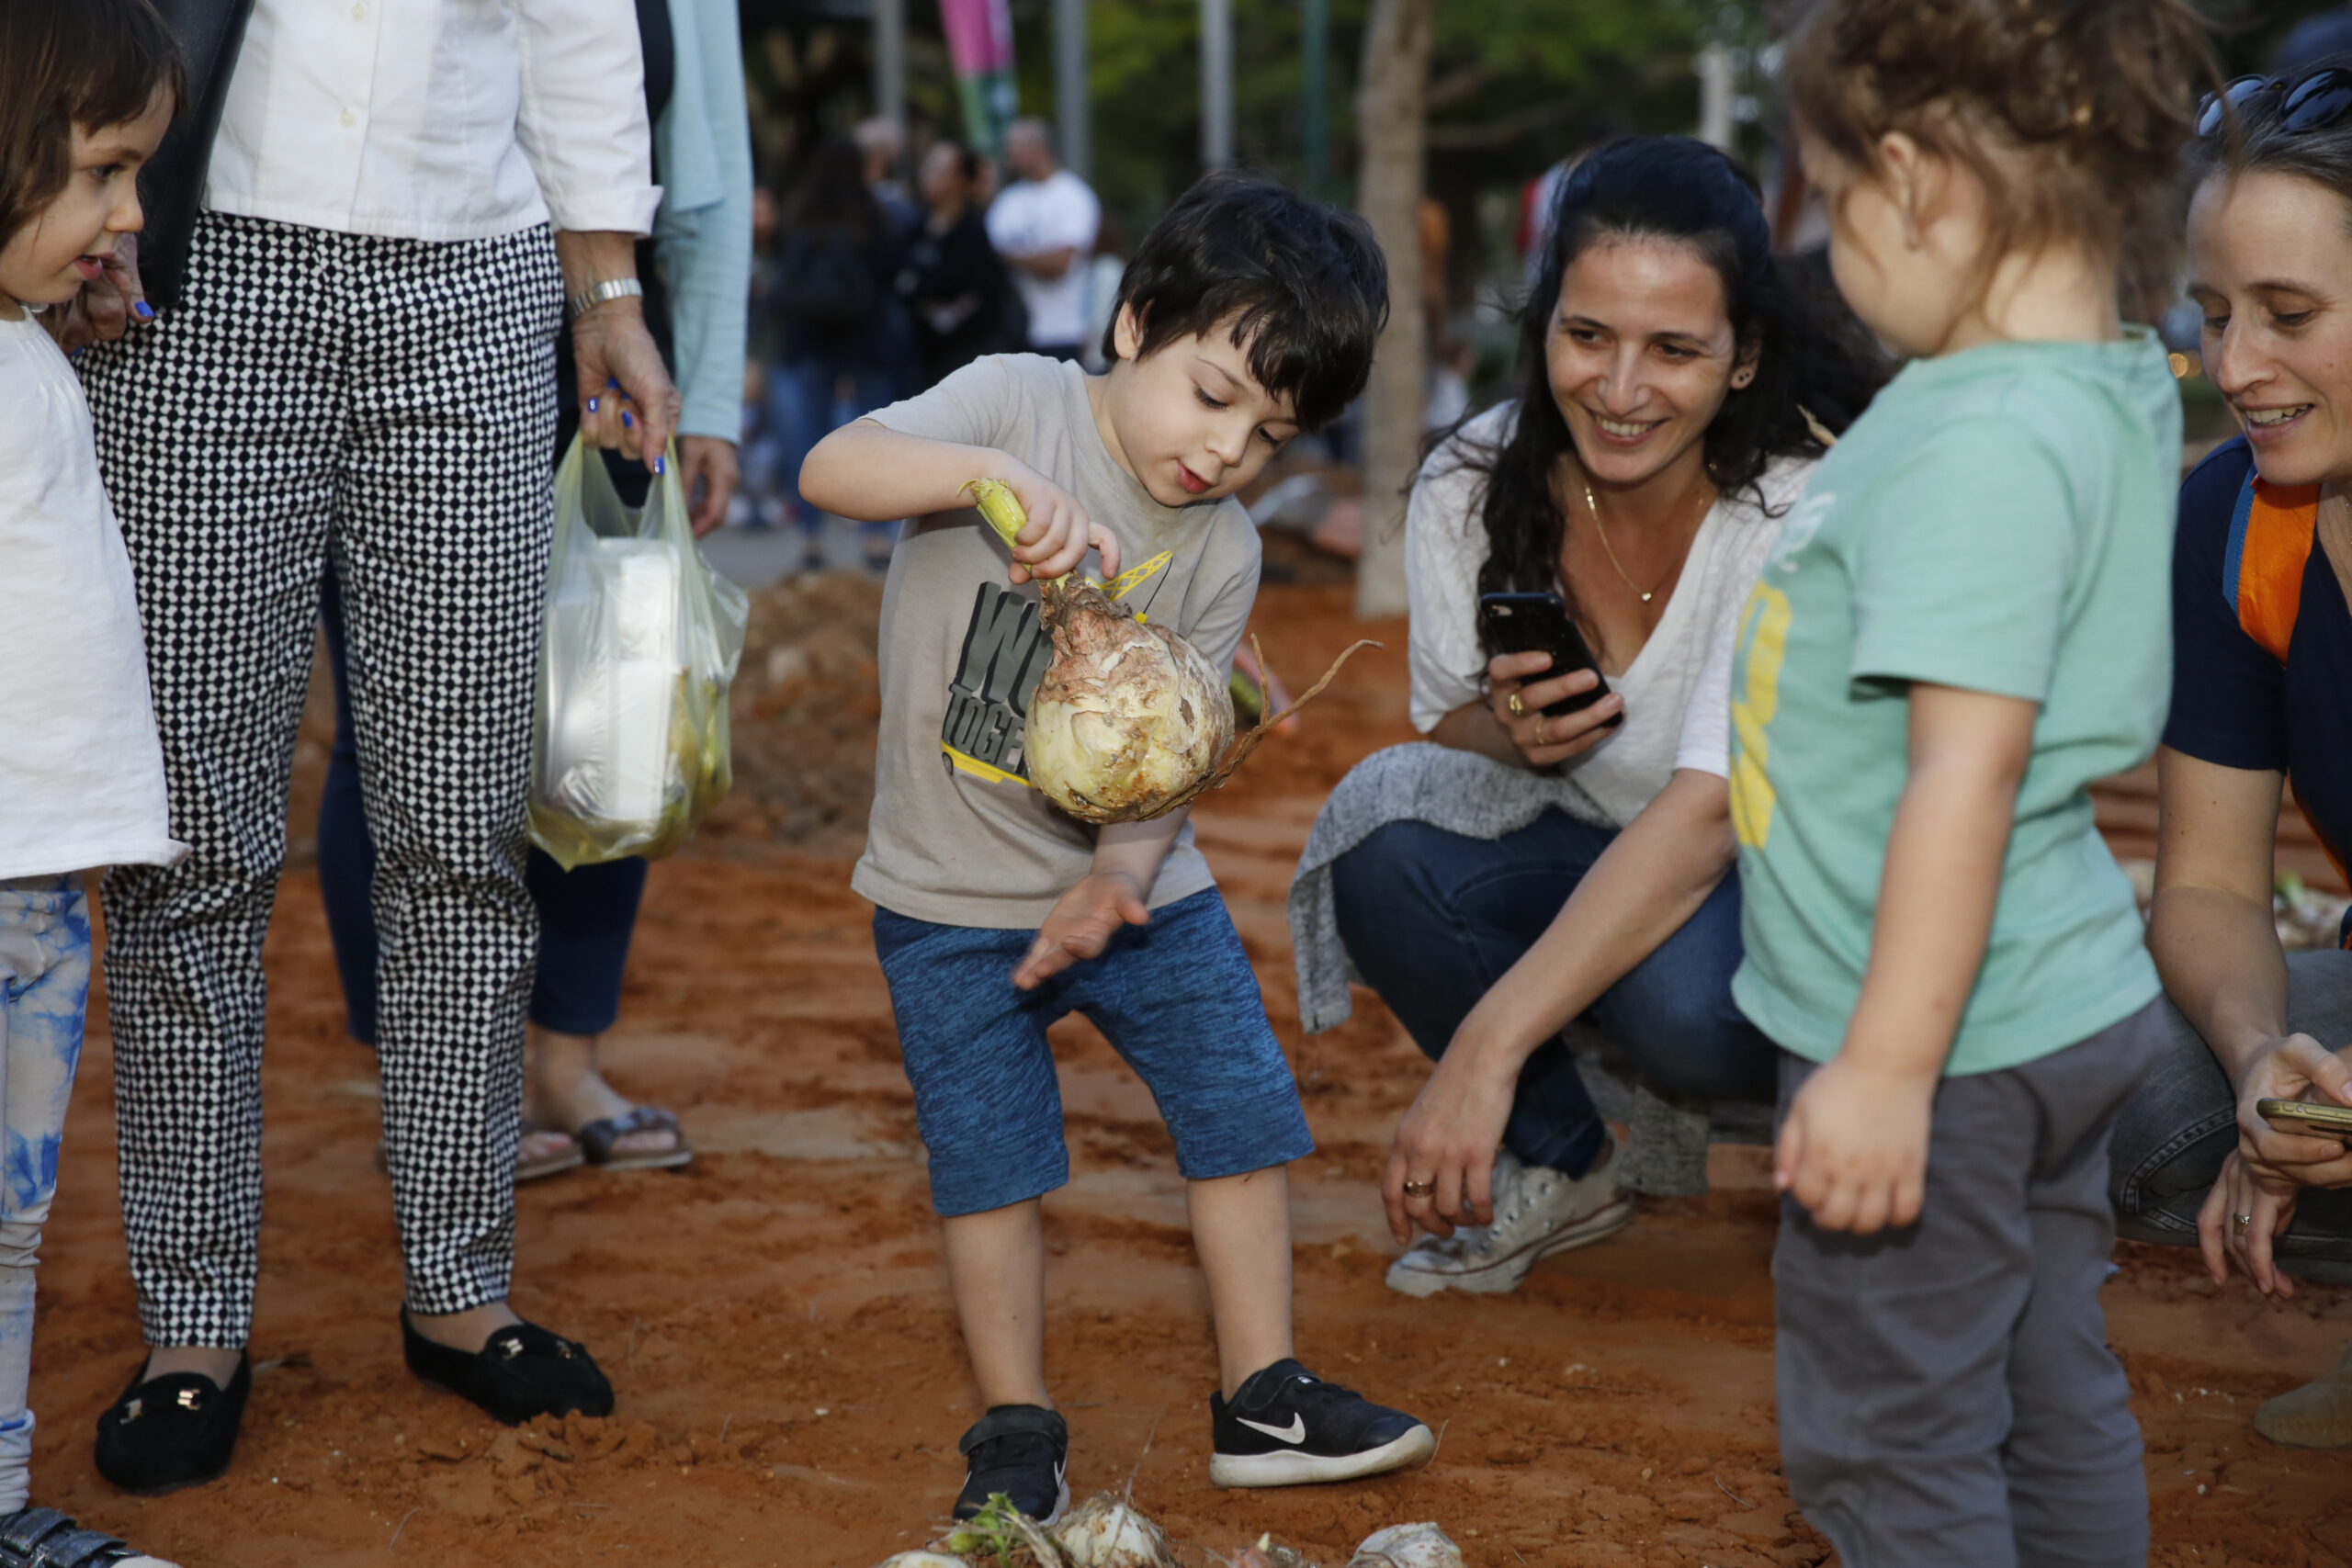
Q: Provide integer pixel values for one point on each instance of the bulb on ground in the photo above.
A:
(1103, 1533)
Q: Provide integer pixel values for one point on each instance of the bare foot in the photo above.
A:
(562, 1089)
(215, 1362)
(468, 1330)
(543, 1143)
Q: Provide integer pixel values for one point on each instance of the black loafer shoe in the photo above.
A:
(172, 1431)
(522, 1372)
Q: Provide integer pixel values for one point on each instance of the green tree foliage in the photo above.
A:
(1515, 84)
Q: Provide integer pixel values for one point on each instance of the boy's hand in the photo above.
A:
(1082, 923)
(1059, 532)
(1854, 1147)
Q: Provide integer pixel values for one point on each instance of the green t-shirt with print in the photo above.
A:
(2001, 521)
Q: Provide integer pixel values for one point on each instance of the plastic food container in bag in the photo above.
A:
(629, 742)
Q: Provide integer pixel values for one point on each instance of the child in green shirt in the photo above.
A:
(1963, 624)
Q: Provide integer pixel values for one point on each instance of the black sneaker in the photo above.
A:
(1288, 1425)
(1020, 1450)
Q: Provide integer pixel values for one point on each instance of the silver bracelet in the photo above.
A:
(595, 294)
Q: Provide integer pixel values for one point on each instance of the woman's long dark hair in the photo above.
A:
(1811, 357)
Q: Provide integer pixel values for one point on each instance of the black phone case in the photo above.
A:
(1539, 622)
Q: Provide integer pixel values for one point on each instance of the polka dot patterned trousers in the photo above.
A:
(387, 405)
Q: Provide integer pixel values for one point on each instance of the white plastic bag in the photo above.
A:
(629, 743)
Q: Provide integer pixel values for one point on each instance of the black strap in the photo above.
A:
(211, 34)
(43, 1538)
(1011, 1420)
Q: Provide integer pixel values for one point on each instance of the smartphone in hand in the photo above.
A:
(1540, 622)
(2307, 1118)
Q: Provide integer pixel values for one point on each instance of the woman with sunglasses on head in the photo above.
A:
(2262, 693)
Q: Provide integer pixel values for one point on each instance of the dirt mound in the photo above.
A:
(802, 714)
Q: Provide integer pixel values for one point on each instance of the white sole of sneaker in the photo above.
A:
(1503, 1275)
(1294, 1469)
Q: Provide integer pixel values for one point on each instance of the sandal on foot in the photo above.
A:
(176, 1430)
(597, 1138)
(554, 1162)
(43, 1538)
(522, 1372)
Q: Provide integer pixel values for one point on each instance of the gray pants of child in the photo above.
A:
(1946, 1392)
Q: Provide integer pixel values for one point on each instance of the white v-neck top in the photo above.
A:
(1678, 689)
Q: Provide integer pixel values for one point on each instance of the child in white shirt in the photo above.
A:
(87, 90)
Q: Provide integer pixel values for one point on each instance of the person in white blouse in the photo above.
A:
(1530, 869)
(401, 204)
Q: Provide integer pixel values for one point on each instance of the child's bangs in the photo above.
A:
(124, 79)
(68, 63)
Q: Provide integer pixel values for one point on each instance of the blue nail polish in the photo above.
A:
(591, 405)
(661, 465)
(143, 310)
(612, 386)
(629, 420)
(77, 354)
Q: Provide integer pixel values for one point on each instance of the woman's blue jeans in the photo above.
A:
(2181, 1123)
(1433, 919)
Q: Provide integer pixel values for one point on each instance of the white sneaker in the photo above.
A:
(1538, 1210)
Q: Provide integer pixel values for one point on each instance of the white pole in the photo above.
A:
(1072, 104)
(1718, 80)
(1216, 82)
(890, 63)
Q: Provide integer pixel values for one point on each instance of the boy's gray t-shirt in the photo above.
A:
(957, 836)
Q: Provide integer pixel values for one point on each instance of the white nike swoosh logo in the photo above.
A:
(1294, 1433)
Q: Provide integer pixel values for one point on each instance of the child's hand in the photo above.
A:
(1082, 923)
(1059, 532)
(1854, 1147)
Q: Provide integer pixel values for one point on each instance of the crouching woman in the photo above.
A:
(1528, 868)
(2262, 660)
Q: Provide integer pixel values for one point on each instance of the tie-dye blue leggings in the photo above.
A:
(44, 988)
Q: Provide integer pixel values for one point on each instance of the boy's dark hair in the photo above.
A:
(72, 62)
(1305, 287)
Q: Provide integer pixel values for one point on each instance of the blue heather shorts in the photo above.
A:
(1176, 998)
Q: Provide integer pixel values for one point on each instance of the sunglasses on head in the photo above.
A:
(2314, 103)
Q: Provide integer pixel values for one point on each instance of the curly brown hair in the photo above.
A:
(2100, 95)
(63, 64)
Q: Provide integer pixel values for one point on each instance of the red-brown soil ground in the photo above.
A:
(775, 1318)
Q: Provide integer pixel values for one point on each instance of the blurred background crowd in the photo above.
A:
(915, 209)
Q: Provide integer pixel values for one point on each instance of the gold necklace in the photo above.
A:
(1601, 528)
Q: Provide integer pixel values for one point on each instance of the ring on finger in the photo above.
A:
(1420, 1189)
(1539, 731)
(2240, 1223)
(1518, 708)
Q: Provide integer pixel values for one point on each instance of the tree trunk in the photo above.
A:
(1391, 110)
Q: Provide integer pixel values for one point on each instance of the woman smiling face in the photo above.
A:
(1642, 354)
(2271, 266)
